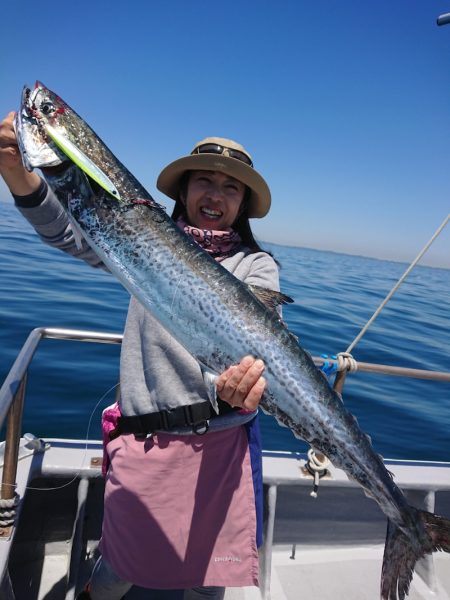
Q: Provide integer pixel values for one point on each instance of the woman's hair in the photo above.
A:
(241, 225)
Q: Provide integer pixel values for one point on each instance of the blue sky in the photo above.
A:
(344, 105)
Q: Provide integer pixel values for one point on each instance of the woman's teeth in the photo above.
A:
(211, 213)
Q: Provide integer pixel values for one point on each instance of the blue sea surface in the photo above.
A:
(335, 295)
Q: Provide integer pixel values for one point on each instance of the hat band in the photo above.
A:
(224, 151)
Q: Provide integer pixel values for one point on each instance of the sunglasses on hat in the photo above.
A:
(224, 151)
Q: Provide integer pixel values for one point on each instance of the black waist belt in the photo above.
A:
(193, 415)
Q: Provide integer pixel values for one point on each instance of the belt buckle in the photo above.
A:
(169, 418)
(200, 428)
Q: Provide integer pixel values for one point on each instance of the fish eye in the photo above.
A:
(47, 107)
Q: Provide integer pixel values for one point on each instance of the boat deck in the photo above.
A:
(325, 548)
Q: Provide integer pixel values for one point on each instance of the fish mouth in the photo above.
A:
(27, 104)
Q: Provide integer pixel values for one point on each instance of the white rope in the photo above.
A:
(317, 467)
(346, 362)
(8, 510)
(397, 285)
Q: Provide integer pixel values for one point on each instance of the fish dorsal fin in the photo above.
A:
(270, 298)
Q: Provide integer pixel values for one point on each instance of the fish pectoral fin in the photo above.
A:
(209, 379)
(270, 298)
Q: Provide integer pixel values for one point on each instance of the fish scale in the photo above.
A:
(217, 318)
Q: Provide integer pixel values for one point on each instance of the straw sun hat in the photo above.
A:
(226, 156)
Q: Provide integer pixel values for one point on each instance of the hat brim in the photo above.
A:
(260, 199)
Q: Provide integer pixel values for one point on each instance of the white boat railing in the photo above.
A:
(13, 390)
(277, 471)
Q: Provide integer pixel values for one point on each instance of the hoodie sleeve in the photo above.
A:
(46, 215)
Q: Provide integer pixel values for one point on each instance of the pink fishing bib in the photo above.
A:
(180, 510)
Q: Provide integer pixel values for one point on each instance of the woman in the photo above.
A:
(182, 511)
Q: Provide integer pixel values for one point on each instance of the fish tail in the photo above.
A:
(426, 533)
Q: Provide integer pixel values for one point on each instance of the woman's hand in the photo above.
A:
(9, 152)
(242, 385)
(17, 178)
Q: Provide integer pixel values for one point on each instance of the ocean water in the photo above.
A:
(335, 295)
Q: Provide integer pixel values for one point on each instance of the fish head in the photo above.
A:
(37, 107)
(50, 133)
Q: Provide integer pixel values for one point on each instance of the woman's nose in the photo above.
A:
(215, 192)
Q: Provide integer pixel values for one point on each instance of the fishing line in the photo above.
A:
(397, 285)
(75, 477)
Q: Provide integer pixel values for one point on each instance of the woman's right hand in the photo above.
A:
(20, 181)
(242, 385)
(9, 152)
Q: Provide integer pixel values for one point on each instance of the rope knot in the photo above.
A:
(317, 466)
(8, 510)
(346, 362)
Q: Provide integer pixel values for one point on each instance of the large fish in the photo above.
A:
(217, 318)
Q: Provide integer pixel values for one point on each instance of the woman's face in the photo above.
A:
(213, 199)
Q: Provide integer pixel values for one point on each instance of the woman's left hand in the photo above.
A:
(242, 385)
